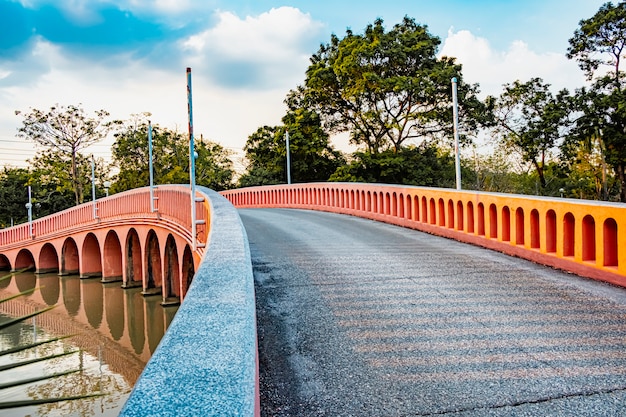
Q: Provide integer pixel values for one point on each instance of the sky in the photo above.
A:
(130, 56)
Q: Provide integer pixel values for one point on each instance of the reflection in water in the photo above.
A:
(71, 295)
(5, 282)
(92, 296)
(154, 318)
(50, 288)
(136, 328)
(110, 358)
(25, 282)
(114, 309)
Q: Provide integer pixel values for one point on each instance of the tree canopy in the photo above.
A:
(65, 131)
(388, 88)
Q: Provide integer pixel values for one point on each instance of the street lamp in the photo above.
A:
(29, 207)
(288, 158)
(107, 185)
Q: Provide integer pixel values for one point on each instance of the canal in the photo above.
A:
(113, 331)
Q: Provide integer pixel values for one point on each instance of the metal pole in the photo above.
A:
(29, 207)
(192, 161)
(150, 166)
(288, 158)
(93, 187)
(455, 113)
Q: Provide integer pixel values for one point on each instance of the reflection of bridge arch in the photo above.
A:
(5, 264)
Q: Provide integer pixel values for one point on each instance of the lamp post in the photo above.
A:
(29, 207)
(107, 185)
(288, 158)
(455, 116)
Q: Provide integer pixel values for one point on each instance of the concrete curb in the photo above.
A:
(206, 364)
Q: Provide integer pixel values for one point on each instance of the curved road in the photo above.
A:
(359, 318)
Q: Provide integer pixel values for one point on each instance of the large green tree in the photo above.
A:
(66, 131)
(599, 43)
(531, 120)
(388, 88)
(312, 156)
(170, 155)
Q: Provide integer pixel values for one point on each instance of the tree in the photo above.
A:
(130, 155)
(425, 165)
(600, 41)
(387, 88)
(67, 131)
(530, 120)
(14, 196)
(312, 156)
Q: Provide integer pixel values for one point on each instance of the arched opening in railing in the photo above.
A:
(493, 221)
(400, 204)
(550, 231)
(409, 207)
(442, 212)
(432, 211)
(519, 226)
(416, 208)
(589, 238)
(535, 235)
(569, 235)
(450, 214)
(506, 224)
(459, 215)
(481, 219)
(609, 234)
(424, 210)
(470, 217)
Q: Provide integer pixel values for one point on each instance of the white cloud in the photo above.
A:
(271, 49)
(491, 68)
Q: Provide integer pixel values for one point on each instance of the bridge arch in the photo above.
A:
(48, 259)
(153, 278)
(134, 264)
(112, 259)
(69, 258)
(25, 261)
(5, 264)
(171, 282)
(90, 258)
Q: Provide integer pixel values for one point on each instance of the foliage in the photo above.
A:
(65, 131)
(388, 88)
(529, 119)
(600, 40)
(425, 165)
(170, 152)
(311, 155)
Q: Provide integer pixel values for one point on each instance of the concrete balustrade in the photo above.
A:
(584, 237)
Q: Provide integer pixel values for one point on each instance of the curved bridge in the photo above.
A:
(206, 363)
(117, 238)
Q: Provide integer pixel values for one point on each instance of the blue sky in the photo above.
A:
(130, 56)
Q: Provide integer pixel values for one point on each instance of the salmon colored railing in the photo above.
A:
(580, 236)
(172, 206)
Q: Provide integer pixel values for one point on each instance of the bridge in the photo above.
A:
(207, 361)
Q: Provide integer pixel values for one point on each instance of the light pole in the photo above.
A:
(455, 116)
(29, 207)
(288, 158)
(107, 185)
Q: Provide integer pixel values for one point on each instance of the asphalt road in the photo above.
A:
(359, 318)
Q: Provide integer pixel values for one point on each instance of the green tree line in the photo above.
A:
(390, 92)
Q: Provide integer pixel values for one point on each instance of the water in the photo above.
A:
(115, 331)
